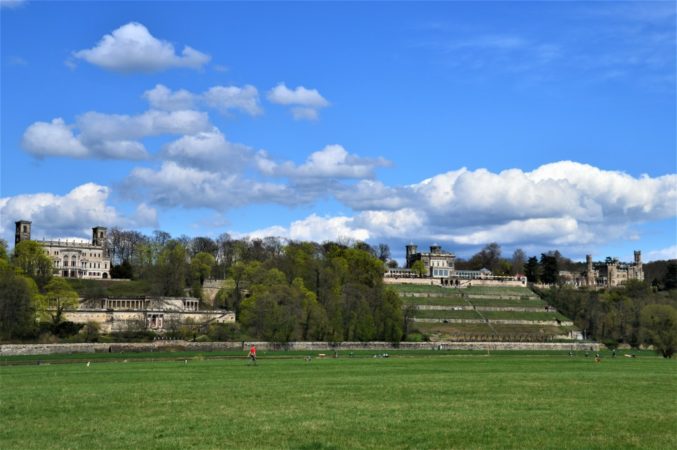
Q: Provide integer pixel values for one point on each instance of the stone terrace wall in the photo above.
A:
(159, 346)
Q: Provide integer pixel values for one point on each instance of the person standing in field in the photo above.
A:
(252, 354)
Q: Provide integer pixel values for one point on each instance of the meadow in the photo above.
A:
(408, 400)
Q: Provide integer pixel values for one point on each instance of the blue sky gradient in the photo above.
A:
(541, 125)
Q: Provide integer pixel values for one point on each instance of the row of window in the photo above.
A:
(83, 265)
(91, 255)
(440, 272)
(438, 263)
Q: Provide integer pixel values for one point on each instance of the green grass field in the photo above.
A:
(410, 400)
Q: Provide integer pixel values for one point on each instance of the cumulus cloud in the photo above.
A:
(333, 161)
(53, 138)
(305, 103)
(222, 98)
(72, 214)
(226, 98)
(131, 48)
(208, 150)
(161, 97)
(109, 136)
(316, 228)
(176, 185)
(564, 204)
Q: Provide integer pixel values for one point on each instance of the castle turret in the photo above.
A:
(99, 236)
(638, 257)
(589, 271)
(23, 231)
(411, 250)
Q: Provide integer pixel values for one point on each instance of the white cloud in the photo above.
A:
(222, 98)
(96, 126)
(131, 48)
(72, 214)
(53, 138)
(109, 136)
(225, 98)
(208, 150)
(161, 97)
(305, 102)
(316, 228)
(373, 195)
(175, 185)
(559, 205)
(333, 161)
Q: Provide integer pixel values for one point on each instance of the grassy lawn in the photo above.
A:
(103, 288)
(455, 330)
(519, 315)
(491, 315)
(446, 314)
(429, 401)
(418, 288)
(438, 301)
(507, 302)
(452, 329)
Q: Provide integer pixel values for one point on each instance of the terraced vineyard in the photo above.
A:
(482, 314)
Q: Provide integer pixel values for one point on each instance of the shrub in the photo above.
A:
(224, 332)
(202, 338)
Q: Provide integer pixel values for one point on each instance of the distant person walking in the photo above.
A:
(252, 354)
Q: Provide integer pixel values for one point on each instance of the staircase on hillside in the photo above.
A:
(482, 313)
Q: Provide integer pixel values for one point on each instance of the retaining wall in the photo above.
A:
(552, 323)
(485, 308)
(158, 346)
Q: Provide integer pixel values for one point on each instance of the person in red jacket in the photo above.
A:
(252, 354)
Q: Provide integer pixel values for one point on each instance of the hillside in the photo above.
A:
(481, 314)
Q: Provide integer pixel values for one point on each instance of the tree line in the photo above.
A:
(281, 291)
(634, 314)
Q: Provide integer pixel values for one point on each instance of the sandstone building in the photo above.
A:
(438, 263)
(612, 272)
(73, 259)
(440, 269)
(159, 314)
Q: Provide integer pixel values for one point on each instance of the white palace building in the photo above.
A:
(73, 259)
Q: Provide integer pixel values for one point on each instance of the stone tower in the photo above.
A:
(99, 236)
(411, 251)
(23, 231)
(638, 271)
(589, 272)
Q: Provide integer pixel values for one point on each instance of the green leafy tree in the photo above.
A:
(659, 328)
(30, 257)
(171, 273)
(17, 315)
(4, 256)
(418, 268)
(59, 295)
(201, 266)
(389, 318)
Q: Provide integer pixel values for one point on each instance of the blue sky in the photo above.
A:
(541, 125)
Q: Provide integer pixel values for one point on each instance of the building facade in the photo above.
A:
(438, 263)
(158, 314)
(72, 259)
(613, 273)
